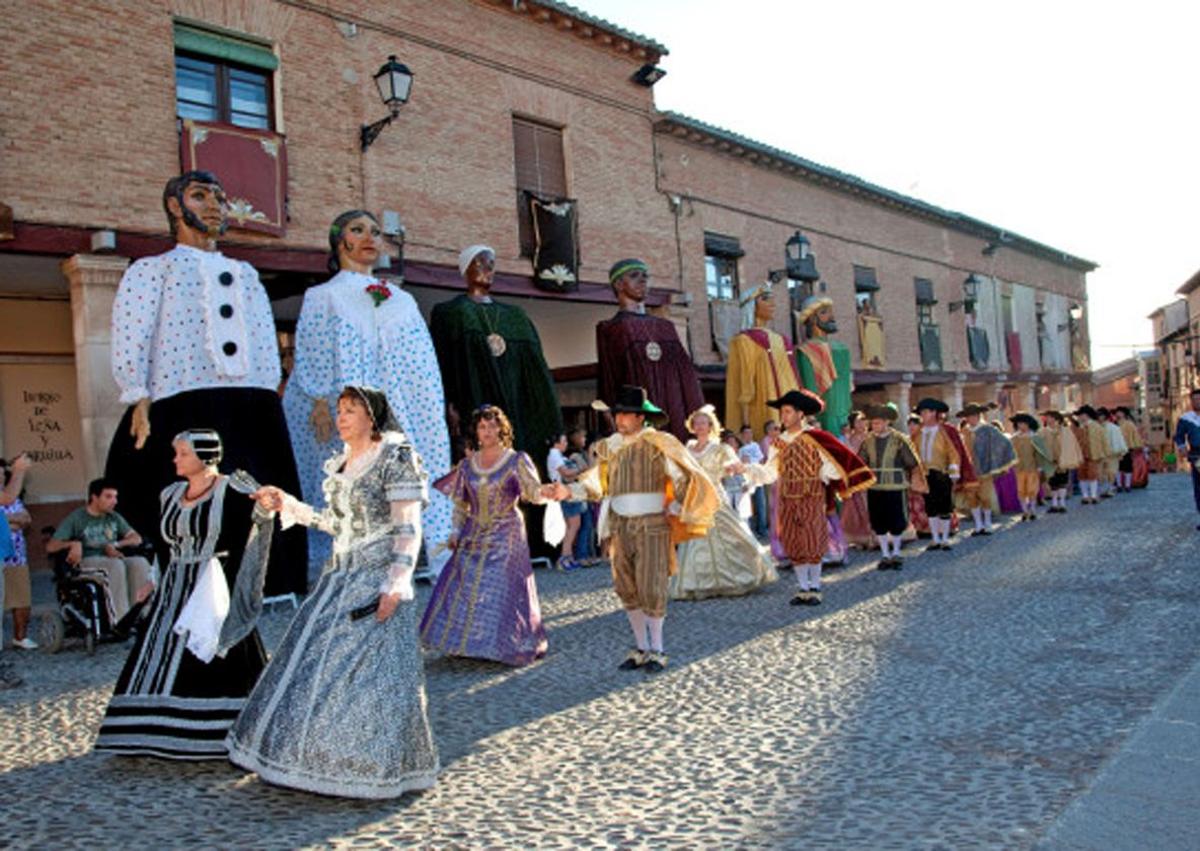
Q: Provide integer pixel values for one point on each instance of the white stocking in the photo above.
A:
(801, 573)
(814, 577)
(656, 630)
(987, 519)
(977, 516)
(637, 622)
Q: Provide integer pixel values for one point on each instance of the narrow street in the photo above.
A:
(967, 701)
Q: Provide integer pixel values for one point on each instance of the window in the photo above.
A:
(223, 79)
(721, 277)
(865, 287)
(721, 255)
(541, 169)
(927, 330)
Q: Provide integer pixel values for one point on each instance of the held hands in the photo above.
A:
(556, 491)
(321, 421)
(139, 426)
(111, 551)
(269, 497)
(75, 552)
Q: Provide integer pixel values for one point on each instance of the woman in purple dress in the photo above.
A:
(485, 603)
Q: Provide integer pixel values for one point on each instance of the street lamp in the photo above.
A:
(970, 288)
(394, 82)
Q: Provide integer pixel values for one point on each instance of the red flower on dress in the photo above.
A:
(378, 292)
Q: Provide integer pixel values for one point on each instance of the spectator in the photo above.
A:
(8, 496)
(17, 592)
(92, 537)
(560, 470)
(585, 541)
(752, 453)
(1187, 439)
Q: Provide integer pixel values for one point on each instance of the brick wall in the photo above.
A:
(99, 159)
(762, 207)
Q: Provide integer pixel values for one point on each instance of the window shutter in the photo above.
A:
(540, 168)
(864, 279)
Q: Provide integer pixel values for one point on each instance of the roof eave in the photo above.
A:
(737, 145)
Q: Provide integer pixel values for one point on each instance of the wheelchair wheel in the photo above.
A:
(50, 631)
(89, 643)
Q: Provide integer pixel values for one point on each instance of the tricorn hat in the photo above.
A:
(931, 404)
(881, 412)
(632, 399)
(1027, 418)
(804, 401)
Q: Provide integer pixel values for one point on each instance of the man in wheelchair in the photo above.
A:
(102, 547)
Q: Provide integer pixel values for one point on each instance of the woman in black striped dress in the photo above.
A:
(198, 655)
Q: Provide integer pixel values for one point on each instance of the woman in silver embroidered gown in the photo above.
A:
(177, 697)
(341, 708)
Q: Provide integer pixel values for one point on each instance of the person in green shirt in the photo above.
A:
(92, 537)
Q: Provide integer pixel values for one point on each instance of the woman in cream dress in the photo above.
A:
(728, 561)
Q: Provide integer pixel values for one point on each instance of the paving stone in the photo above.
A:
(966, 701)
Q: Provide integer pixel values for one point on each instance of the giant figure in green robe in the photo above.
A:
(825, 362)
(490, 353)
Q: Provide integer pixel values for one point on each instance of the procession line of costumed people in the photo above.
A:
(365, 417)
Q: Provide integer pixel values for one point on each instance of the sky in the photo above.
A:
(1071, 123)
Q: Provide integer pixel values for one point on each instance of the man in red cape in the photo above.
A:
(810, 466)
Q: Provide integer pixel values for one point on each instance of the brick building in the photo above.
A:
(104, 101)
(1177, 341)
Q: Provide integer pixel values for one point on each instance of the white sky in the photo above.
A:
(1071, 123)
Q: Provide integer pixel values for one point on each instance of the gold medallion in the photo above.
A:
(496, 344)
(653, 351)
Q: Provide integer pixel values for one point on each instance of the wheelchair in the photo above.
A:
(80, 612)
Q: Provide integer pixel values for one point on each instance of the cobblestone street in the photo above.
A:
(963, 702)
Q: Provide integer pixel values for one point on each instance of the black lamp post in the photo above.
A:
(394, 82)
(970, 295)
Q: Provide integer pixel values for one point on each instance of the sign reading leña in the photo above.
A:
(41, 418)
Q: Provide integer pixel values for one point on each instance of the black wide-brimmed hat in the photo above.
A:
(877, 411)
(804, 401)
(1057, 416)
(1086, 409)
(931, 404)
(632, 399)
(973, 409)
(1027, 418)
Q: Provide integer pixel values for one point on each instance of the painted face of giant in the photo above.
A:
(201, 207)
(764, 308)
(633, 284)
(482, 271)
(360, 241)
(824, 319)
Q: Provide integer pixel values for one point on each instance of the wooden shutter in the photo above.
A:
(540, 169)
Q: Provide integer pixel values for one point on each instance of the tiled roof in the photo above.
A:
(1190, 286)
(652, 48)
(739, 145)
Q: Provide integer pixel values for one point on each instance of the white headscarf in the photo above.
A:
(470, 253)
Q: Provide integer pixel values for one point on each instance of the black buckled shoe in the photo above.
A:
(635, 659)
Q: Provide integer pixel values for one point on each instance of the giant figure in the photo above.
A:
(824, 362)
(358, 330)
(761, 365)
(194, 347)
(637, 349)
(490, 353)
